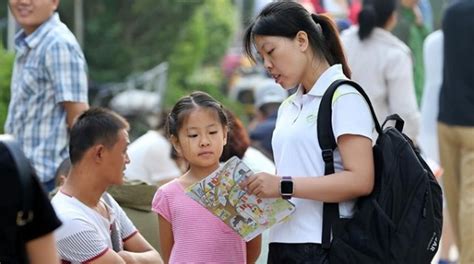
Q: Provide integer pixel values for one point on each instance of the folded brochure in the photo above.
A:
(246, 214)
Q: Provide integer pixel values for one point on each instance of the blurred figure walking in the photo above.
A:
(382, 63)
(456, 123)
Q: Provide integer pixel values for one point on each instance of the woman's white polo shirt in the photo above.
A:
(297, 152)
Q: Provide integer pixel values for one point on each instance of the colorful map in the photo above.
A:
(247, 214)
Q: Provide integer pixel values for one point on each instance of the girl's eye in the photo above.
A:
(192, 135)
(270, 52)
(213, 132)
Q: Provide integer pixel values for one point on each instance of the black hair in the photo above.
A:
(188, 103)
(238, 140)
(94, 126)
(286, 19)
(374, 13)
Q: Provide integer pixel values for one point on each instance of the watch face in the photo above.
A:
(286, 187)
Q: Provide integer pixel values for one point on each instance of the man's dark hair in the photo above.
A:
(95, 126)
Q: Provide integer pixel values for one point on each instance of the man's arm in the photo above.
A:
(138, 250)
(42, 250)
(73, 109)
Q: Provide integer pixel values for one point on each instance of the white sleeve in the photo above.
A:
(351, 115)
(401, 92)
(124, 224)
(80, 242)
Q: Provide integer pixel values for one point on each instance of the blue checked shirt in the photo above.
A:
(49, 68)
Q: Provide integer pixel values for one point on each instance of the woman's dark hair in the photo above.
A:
(286, 19)
(238, 139)
(186, 104)
(375, 13)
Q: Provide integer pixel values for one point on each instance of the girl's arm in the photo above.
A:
(166, 238)
(356, 180)
(253, 249)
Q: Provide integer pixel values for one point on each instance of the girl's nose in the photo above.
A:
(205, 143)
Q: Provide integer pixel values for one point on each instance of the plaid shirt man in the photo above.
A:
(49, 69)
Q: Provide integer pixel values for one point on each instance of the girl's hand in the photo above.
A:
(263, 185)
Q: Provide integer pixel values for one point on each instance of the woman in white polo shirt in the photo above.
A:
(300, 49)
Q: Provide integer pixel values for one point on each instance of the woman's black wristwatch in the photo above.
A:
(286, 187)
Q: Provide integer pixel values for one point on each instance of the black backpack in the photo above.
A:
(15, 212)
(401, 220)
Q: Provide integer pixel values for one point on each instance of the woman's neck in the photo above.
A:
(317, 68)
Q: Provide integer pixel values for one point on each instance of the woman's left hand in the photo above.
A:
(263, 185)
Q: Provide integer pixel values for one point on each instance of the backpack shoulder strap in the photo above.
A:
(22, 164)
(328, 144)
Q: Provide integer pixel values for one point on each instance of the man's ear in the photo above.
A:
(176, 145)
(97, 152)
(302, 40)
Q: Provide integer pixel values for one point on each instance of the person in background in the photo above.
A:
(268, 97)
(48, 87)
(95, 227)
(34, 239)
(412, 31)
(382, 64)
(302, 49)
(197, 126)
(456, 123)
(428, 137)
(150, 157)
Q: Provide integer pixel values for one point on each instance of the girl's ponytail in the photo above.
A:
(331, 46)
(367, 21)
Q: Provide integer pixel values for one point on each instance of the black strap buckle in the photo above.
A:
(328, 155)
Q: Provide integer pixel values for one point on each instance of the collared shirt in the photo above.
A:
(297, 152)
(49, 68)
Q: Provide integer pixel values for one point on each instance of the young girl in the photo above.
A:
(303, 50)
(197, 127)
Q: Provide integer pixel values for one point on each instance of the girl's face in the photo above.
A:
(201, 138)
(284, 58)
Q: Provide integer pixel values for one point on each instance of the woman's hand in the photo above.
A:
(263, 185)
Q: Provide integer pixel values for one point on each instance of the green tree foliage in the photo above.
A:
(6, 64)
(124, 37)
(195, 61)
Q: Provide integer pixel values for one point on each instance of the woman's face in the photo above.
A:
(283, 58)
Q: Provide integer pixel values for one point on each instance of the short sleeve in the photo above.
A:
(160, 204)
(67, 69)
(82, 243)
(125, 225)
(351, 115)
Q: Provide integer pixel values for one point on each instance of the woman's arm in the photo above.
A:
(166, 238)
(356, 180)
(253, 249)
